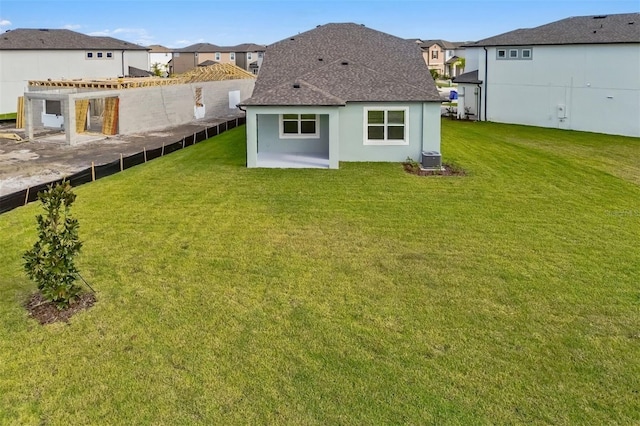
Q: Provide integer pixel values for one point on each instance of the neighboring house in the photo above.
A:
(161, 56)
(579, 73)
(247, 56)
(442, 56)
(341, 92)
(40, 54)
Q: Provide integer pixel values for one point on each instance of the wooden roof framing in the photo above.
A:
(216, 72)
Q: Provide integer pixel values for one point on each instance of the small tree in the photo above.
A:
(157, 69)
(434, 73)
(50, 263)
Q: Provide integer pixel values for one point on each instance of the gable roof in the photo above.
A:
(199, 48)
(54, 39)
(338, 63)
(213, 48)
(593, 29)
(158, 48)
(425, 44)
(470, 77)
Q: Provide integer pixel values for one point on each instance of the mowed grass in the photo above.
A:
(362, 295)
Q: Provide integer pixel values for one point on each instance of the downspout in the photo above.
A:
(123, 74)
(486, 84)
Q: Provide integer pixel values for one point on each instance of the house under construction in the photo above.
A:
(133, 105)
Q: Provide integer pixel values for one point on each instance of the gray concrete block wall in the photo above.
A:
(155, 108)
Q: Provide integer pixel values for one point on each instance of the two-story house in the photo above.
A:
(41, 54)
(442, 56)
(578, 73)
(247, 56)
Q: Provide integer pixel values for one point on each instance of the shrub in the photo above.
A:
(50, 263)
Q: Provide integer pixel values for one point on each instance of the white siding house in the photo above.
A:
(580, 73)
(41, 54)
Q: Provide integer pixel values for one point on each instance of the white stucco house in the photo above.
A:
(160, 57)
(341, 92)
(41, 54)
(580, 73)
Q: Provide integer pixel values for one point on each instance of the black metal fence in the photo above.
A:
(11, 201)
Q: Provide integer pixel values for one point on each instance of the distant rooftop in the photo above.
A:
(54, 39)
(593, 29)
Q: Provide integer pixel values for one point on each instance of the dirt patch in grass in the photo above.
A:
(447, 170)
(47, 313)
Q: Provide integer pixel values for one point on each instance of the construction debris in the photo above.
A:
(12, 136)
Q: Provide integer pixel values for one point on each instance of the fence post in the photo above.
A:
(93, 171)
(162, 152)
(26, 197)
(121, 163)
(144, 151)
(194, 138)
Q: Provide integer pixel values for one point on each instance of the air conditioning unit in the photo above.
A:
(431, 160)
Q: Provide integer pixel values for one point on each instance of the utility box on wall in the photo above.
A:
(431, 160)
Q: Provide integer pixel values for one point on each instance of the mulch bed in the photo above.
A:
(47, 313)
(448, 170)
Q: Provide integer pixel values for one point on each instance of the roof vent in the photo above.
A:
(296, 85)
(43, 29)
(344, 63)
(631, 23)
(600, 17)
(320, 59)
(292, 39)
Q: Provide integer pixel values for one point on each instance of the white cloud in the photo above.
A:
(4, 22)
(135, 35)
(182, 43)
(72, 27)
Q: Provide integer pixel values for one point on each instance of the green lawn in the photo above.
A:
(362, 295)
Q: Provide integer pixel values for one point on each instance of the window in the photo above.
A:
(217, 56)
(249, 56)
(99, 54)
(109, 55)
(89, 55)
(386, 126)
(514, 53)
(53, 107)
(259, 54)
(299, 126)
(232, 56)
(434, 54)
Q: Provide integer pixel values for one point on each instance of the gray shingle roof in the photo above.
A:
(338, 63)
(200, 48)
(213, 48)
(593, 29)
(54, 39)
(468, 77)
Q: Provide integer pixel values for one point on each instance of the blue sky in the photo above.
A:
(179, 23)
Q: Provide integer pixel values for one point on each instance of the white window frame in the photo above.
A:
(530, 51)
(109, 55)
(385, 141)
(217, 56)
(511, 54)
(259, 55)
(89, 55)
(503, 52)
(299, 135)
(249, 56)
(232, 56)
